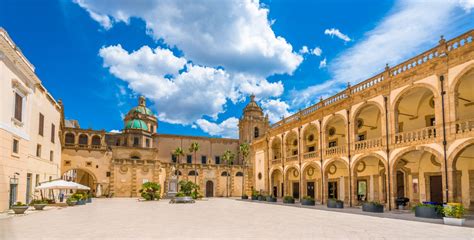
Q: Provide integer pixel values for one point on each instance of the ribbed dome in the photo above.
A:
(141, 108)
(136, 124)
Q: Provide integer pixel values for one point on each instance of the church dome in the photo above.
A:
(141, 108)
(252, 107)
(136, 124)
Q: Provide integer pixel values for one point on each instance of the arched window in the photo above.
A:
(96, 140)
(224, 174)
(193, 173)
(135, 157)
(256, 133)
(239, 174)
(83, 139)
(177, 173)
(69, 138)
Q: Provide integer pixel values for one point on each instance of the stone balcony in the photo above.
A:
(416, 136)
(368, 145)
(335, 151)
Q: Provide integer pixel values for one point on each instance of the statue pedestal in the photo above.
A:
(172, 188)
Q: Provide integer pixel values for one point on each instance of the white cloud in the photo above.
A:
(336, 32)
(235, 34)
(115, 131)
(182, 92)
(322, 63)
(103, 20)
(317, 51)
(275, 108)
(423, 22)
(304, 50)
(467, 5)
(227, 128)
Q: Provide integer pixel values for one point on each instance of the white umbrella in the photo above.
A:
(62, 184)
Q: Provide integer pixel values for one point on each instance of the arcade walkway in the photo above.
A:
(216, 218)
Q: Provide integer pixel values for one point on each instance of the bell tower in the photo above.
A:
(253, 124)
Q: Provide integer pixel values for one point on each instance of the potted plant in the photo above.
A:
(71, 201)
(335, 203)
(288, 199)
(188, 192)
(270, 198)
(39, 204)
(307, 201)
(375, 207)
(80, 199)
(254, 194)
(260, 197)
(428, 210)
(245, 196)
(19, 208)
(89, 198)
(454, 214)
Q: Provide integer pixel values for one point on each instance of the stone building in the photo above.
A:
(406, 132)
(117, 164)
(30, 146)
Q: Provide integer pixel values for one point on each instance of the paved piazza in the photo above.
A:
(122, 218)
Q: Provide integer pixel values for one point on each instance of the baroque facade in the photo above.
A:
(406, 132)
(117, 164)
(30, 146)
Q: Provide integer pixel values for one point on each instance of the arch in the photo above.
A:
(224, 174)
(410, 88)
(366, 104)
(276, 148)
(310, 137)
(96, 140)
(368, 130)
(291, 143)
(400, 154)
(458, 150)
(288, 167)
(82, 176)
(463, 96)
(178, 173)
(328, 162)
(329, 119)
(273, 169)
(372, 154)
(456, 81)
(193, 173)
(70, 138)
(83, 139)
(239, 174)
(135, 155)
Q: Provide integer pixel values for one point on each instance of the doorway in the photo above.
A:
(361, 190)
(310, 189)
(296, 190)
(209, 189)
(436, 189)
(275, 191)
(13, 192)
(400, 184)
(332, 189)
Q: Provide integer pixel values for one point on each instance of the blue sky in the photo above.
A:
(197, 62)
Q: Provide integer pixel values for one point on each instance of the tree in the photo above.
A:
(178, 153)
(228, 158)
(244, 150)
(193, 149)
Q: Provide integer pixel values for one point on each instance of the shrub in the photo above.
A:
(288, 198)
(180, 194)
(79, 196)
(19, 204)
(71, 199)
(245, 195)
(254, 193)
(308, 198)
(38, 201)
(188, 187)
(454, 210)
(375, 203)
(150, 191)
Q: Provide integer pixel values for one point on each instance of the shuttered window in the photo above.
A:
(41, 125)
(18, 107)
(53, 132)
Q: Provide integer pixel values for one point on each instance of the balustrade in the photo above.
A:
(292, 158)
(276, 161)
(368, 144)
(422, 134)
(334, 151)
(310, 155)
(465, 126)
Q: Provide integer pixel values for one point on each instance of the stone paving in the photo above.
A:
(218, 218)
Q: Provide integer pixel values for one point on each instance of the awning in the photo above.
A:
(62, 184)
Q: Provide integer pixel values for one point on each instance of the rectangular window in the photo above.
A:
(107, 174)
(37, 180)
(38, 150)
(51, 156)
(53, 132)
(189, 159)
(135, 142)
(16, 146)
(147, 143)
(218, 160)
(332, 143)
(18, 107)
(203, 159)
(41, 124)
(173, 158)
(361, 137)
(311, 149)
